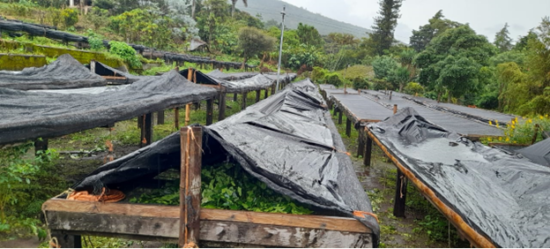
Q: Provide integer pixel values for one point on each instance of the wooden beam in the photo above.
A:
(361, 142)
(209, 111)
(258, 94)
(400, 195)
(177, 118)
(160, 117)
(187, 114)
(368, 152)
(243, 104)
(160, 223)
(146, 130)
(340, 114)
(221, 105)
(348, 126)
(190, 185)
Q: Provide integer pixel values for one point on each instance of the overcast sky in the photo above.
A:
(486, 17)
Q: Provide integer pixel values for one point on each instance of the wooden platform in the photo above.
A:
(70, 219)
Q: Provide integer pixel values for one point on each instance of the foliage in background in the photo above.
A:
(127, 53)
(385, 24)
(70, 17)
(228, 186)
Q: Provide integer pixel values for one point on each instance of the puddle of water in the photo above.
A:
(438, 150)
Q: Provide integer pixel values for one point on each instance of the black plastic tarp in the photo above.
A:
(287, 141)
(63, 73)
(256, 82)
(29, 115)
(500, 195)
(538, 153)
(231, 76)
(104, 70)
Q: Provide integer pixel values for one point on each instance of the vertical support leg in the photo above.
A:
(340, 116)
(368, 151)
(235, 97)
(190, 186)
(160, 117)
(146, 130)
(187, 114)
(335, 111)
(66, 240)
(400, 195)
(243, 104)
(40, 144)
(361, 142)
(221, 106)
(258, 94)
(266, 93)
(139, 121)
(177, 118)
(348, 126)
(209, 111)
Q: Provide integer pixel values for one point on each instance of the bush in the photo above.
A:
(96, 43)
(319, 75)
(127, 53)
(360, 83)
(413, 88)
(54, 15)
(381, 85)
(334, 79)
(70, 17)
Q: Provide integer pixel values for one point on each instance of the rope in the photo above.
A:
(362, 214)
(110, 196)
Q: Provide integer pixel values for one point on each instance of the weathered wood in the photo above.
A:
(258, 94)
(209, 111)
(266, 93)
(243, 103)
(235, 97)
(368, 152)
(361, 142)
(221, 105)
(160, 117)
(65, 240)
(340, 114)
(348, 126)
(146, 130)
(40, 144)
(400, 195)
(187, 114)
(190, 185)
(177, 118)
(394, 109)
(139, 121)
(160, 223)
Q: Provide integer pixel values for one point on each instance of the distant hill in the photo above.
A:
(271, 10)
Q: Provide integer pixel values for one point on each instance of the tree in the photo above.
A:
(522, 42)
(399, 77)
(309, 35)
(253, 41)
(453, 59)
(436, 26)
(383, 66)
(384, 25)
(234, 2)
(503, 40)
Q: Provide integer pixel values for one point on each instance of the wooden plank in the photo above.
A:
(209, 111)
(172, 212)
(243, 103)
(190, 185)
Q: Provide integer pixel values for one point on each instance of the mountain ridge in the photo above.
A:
(271, 10)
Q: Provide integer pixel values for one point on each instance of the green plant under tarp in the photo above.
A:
(228, 186)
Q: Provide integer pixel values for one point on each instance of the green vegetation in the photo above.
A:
(228, 186)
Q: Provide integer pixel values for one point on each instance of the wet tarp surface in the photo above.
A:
(231, 76)
(287, 141)
(64, 73)
(445, 120)
(105, 70)
(29, 115)
(499, 195)
(257, 82)
(538, 153)
(363, 109)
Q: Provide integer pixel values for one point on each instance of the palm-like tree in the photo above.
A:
(234, 2)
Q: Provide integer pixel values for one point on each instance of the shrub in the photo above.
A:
(96, 43)
(70, 17)
(360, 83)
(54, 15)
(334, 79)
(381, 85)
(127, 53)
(413, 88)
(319, 75)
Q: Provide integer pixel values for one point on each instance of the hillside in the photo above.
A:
(271, 10)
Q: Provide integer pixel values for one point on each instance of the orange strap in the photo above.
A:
(362, 214)
(110, 196)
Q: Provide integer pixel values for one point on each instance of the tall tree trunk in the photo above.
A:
(244, 63)
(401, 87)
(262, 61)
(234, 2)
(193, 9)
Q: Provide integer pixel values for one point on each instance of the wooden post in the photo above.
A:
(40, 144)
(266, 93)
(187, 114)
(394, 109)
(66, 240)
(339, 116)
(209, 111)
(235, 97)
(160, 117)
(391, 94)
(139, 121)
(190, 186)
(243, 104)
(335, 110)
(348, 126)
(177, 118)
(221, 105)
(258, 94)
(368, 151)
(361, 142)
(92, 66)
(146, 130)
(400, 195)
